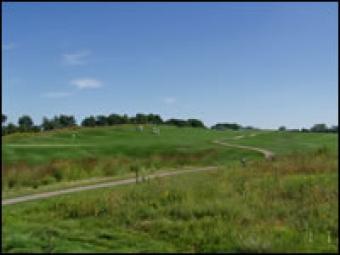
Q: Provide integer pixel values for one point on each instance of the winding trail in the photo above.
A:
(267, 154)
(97, 186)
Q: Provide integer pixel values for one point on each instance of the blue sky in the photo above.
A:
(259, 64)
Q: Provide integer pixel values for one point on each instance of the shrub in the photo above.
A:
(58, 174)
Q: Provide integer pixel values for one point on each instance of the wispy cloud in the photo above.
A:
(86, 83)
(76, 58)
(8, 46)
(169, 100)
(56, 94)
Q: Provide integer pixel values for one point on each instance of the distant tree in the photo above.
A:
(114, 119)
(226, 126)
(47, 124)
(65, 120)
(177, 122)
(125, 119)
(55, 122)
(154, 119)
(25, 123)
(304, 130)
(319, 128)
(89, 122)
(282, 128)
(101, 120)
(36, 128)
(9, 129)
(4, 118)
(333, 129)
(141, 118)
(195, 123)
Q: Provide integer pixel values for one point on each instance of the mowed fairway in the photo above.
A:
(289, 204)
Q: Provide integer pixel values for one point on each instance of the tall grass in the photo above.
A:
(287, 205)
(22, 175)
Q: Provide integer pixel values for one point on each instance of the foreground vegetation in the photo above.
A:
(288, 205)
(55, 159)
(106, 152)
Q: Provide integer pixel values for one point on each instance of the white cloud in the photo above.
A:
(8, 46)
(86, 83)
(77, 58)
(169, 100)
(56, 94)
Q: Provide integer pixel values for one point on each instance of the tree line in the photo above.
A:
(317, 128)
(26, 124)
(231, 126)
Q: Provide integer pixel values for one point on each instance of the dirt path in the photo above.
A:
(97, 186)
(267, 154)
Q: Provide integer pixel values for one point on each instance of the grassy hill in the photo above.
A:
(33, 162)
(106, 142)
(290, 204)
(51, 160)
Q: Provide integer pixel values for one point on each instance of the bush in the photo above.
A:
(58, 175)
(48, 180)
(11, 183)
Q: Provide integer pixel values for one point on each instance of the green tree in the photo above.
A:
(25, 123)
(141, 118)
(195, 123)
(36, 128)
(4, 118)
(9, 129)
(334, 129)
(114, 119)
(89, 122)
(319, 128)
(125, 119)
(66, 121)
(47, 124)
(226, 126)
(177, 122)
(101, 120)
(154, 119)
(282, 128)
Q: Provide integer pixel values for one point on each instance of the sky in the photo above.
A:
(258, 64)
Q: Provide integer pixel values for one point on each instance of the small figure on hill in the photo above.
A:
(140, 128)
(243, 162)
(156, 131)
(271, 157)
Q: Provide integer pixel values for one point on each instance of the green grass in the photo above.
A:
(287, 205)
(110, 152)
(291, 142)
(107, 152)
(107, 142)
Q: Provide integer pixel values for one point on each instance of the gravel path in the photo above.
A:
(267, 153)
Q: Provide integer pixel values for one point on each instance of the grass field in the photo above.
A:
(104, 142)
(34, 161)
(290, 204)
